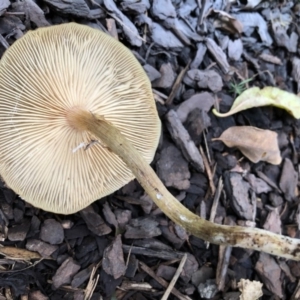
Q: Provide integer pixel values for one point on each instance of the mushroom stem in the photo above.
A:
(236, 236)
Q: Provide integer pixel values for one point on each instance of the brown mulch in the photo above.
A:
(197, 54)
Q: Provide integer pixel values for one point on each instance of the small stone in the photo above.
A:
(225, 162)
(67, 224)
(197, 121)
(202, 275)
(65, 273)
(81, 277)
(203, 101)
(288, 180)
(94, 221)
(18, 215)
(18, 232)
(173, 169)
(275, 199)
(239, 195)
(167, 77)
(190, 267)
(132, 266)
(52, 232)
(147, 203)
(270, 274)
(168, 233)
(183, 140)
(207, 79)
(113, 259)
(181, 232)
(164, 37)
(44, 249)
(166, 272)
(142, 228)
(37, 295)
(258, 185)
(152, 73)
(201, 51)
(208, 289)
(235, 49)
(123, 217)
(273, 222)
(78, 8)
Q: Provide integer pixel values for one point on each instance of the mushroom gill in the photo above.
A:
(44, 76)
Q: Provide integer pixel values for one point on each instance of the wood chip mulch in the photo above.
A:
(197, 55)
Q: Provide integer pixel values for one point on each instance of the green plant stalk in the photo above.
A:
(238, 88)
(236, 236)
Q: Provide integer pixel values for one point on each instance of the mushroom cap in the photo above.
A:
(45, 74)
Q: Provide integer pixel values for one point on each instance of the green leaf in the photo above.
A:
(255, 97)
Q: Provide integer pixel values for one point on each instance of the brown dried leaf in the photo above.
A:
(256, 144)
(228, 22)
(270, 58)
(18, 253)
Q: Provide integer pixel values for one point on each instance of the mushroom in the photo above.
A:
(78, 121)
(48, 75)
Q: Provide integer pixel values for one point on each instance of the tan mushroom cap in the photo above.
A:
(49, 72)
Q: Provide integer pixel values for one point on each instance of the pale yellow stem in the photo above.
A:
(235, 236)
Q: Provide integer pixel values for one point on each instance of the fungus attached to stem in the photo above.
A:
(54, 99)
(237, 236)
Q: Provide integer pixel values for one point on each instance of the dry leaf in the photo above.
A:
(228, 22)
(270, 58)
(18, 253)
(251, 290)
(256, 144)
(255, 97)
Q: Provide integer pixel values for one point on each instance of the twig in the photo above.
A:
(208, 171)
(128, 258)
(89, 290)
(136, 286)
(216, 199)
(112, 28)
(161, 254)
(160, 94)
(175, 277)
(26, 268)
(164, 283)
(145, 27)
(296, 294)
(215, 203)
(206, 147)
(3, 41)
(148, 51)
(176, 84)
(222, 267)
(268, 181)
(159, 97)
